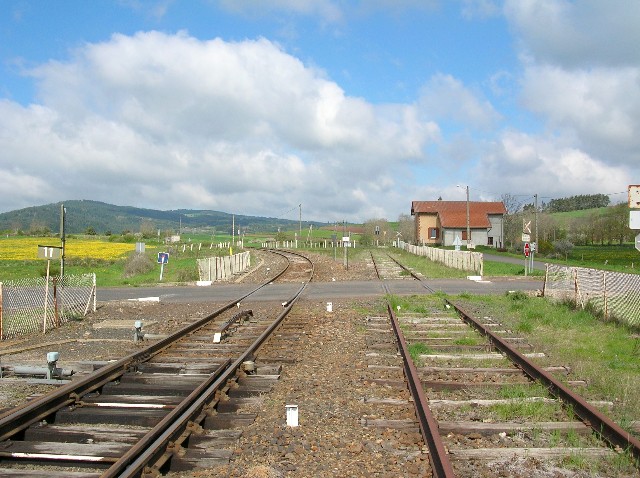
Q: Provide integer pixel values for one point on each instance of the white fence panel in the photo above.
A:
(222, 268)
(462, 260)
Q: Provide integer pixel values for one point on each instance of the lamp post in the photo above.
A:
(468, 225)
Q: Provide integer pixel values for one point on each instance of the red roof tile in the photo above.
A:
(453, 214)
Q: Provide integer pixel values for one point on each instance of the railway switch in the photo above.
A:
(52, 365)
(138, 335)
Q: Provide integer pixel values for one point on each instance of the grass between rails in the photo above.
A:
(604, 354)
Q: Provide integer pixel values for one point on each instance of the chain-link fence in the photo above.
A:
(613, 294)
(35, 304)
(222, 268)
(462, 260)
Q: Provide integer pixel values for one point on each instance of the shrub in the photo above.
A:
(188, 275)
(563, 248)
(545, 247)
(138, 264)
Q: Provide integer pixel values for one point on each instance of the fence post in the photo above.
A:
(604, 294)
(46, 300)
(546, 277)
(56, 316)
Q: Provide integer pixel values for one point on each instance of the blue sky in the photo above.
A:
(353, 109)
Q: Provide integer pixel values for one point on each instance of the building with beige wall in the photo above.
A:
(440, 222)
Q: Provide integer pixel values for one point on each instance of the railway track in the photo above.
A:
(490, 407)
(160, 409)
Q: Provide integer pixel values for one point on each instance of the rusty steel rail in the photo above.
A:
(158, 446)
(14, 422)
(440, 463)
(413, 274)
(610, 431)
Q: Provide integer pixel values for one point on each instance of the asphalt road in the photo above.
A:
(315, 290)
(512, 260)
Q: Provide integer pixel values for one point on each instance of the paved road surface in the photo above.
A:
(512, 260)
(316, 291)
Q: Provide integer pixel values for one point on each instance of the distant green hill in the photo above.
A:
(103, 217)
(565, 217)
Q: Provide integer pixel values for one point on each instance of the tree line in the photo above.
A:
(573, 203)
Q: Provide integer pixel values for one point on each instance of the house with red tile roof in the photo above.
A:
(440, 222)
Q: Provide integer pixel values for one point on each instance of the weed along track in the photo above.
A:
(482, 405)
(477, 411)
(170, 406)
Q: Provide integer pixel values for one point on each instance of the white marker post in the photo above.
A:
(48, 253)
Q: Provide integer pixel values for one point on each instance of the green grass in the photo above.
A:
(426, 267)
(500, 269)
(181, 268)
(470, 341)
(416, 349)
(519, 390)
(617, 258)
(604, 354)
(537, 411)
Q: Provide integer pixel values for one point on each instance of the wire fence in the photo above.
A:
(613, 294)
(222, 268)
(37, 304)
(462, 260)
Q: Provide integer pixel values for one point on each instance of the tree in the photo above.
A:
(376, 231)
(148, 229)
(563, 248)
(90, 231)
(512, 219)
(511, 203)
(618, 223)
(406, 228)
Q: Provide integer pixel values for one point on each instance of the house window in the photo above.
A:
(464, 235)
(433, 233)
(490, 241)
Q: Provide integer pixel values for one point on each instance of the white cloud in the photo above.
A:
(577, 33)
(581, 74)
(600, 107)
(445, 97)
(527, 164)
(169, 121)
(472, 9)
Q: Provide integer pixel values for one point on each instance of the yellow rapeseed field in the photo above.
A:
(26, 248)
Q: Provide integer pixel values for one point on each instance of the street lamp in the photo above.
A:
(468, 226)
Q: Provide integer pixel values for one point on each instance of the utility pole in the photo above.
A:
(300, 221)
(468, 225)
(535, 220)
(62, 239)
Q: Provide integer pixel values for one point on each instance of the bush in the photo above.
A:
(517, 296)
(563, 248)
(138, 264)
(188, 275)
(545, 247)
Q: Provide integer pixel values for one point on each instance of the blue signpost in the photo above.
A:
(163, 258)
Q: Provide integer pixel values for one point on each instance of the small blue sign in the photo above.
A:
(163, 257)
